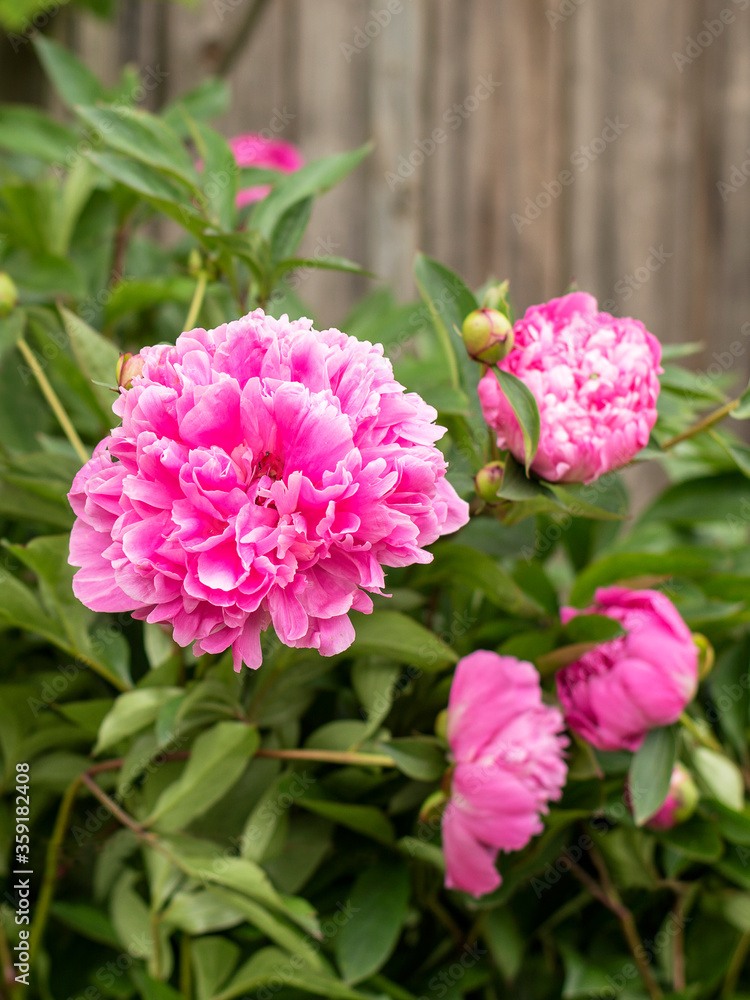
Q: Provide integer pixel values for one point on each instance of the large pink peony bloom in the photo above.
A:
(263, 472)
(508, 765)
(615, 693)
(253, 150)
(594, 378)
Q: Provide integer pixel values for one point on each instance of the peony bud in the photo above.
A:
(488, 481)
(128, 366)
(8, 294)
(680, 803)
(488, 336)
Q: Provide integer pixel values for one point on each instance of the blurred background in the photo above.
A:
(541, 140)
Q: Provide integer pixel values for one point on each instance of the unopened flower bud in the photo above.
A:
(680, 803)
(488, 481)
(488, 336)
(128, 366)
(8, 294)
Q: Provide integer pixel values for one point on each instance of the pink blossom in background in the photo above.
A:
(264, 472)
(617, 692)
(509, 763)
(594, 377)
(680, 803)
(253, 150)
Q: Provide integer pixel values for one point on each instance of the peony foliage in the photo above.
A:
(355, 663)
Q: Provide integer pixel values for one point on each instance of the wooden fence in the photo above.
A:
(605, 141)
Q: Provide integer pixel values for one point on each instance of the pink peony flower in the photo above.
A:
(508, 765)
(615, 693)
(264, 472)
(594, 377)
(680, 803)
(253, 150)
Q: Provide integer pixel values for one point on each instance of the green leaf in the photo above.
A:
(312, 180)
(290, 229)
(86, 920)
(31, 132)
(214, 960)
(525, 409)
(590, 628)
(97, 358)
(168, 195)
(327, 263)
(721, 777)
(631, 565)
(734, 825)
(449, 302)
(72, 80)
(367, 820)
(210, 99)
(379, 902)
(420, 758)
(651, 772)
(131, 712)
(576, 498)
(218, 758)
(697, 839)
(266, 966)
(219, 175)
(398, 637)
(475, 569)
(19, 607)
(274, 928)
(145, 138)
(742, 412)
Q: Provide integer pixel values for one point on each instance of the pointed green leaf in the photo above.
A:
(398, 637)
(525, 409)
(651, 771)
(218, 758)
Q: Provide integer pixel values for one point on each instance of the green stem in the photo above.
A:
(197, 302)
(330, 757)
(51, 396)
(702, 425)
(735, 966)
(49, 880)
(706, 739)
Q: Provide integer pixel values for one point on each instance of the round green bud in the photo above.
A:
(487, 335)
(488, 481)
(8, 294)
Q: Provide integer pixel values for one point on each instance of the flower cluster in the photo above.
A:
(506, 744)
(594, 377)
(264, 472)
